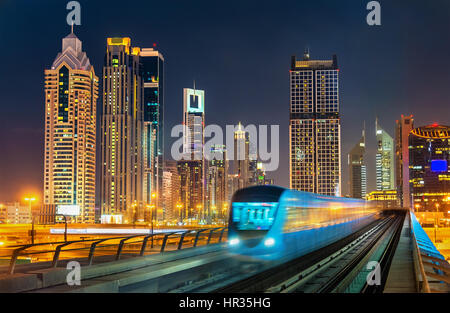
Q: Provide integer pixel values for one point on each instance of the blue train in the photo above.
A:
(275, 223)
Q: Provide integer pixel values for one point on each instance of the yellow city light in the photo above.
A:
(153, 195)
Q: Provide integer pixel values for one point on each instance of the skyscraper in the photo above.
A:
(429, 171)
(404, 127)
(153, 101)
(314, 126)
(357, 168)
(71, 92)
(217, 183)
(191, 188)
(241, 160)
(192, 168)
(194, 123)
(121, 184)
(171, 191)
(384, 159)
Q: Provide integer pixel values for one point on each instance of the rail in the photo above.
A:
(20, 250)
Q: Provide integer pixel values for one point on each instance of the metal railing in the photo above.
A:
(419, 271)
(180, 237)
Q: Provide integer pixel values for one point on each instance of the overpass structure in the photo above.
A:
(393, 254)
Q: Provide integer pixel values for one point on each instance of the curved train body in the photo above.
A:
(274, 223)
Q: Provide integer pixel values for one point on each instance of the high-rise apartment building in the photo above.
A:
(153, 135)
(71, 92)
(357, 169)
(121, 183)
(384, 159)
(404, 127)
(314, 126)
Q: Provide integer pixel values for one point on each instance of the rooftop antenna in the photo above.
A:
(71, 28)
(306, 54)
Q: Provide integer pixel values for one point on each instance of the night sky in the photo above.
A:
(239, 53)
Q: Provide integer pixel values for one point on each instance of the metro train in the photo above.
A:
(275, 223)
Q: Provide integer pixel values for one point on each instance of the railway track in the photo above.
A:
(338, 267)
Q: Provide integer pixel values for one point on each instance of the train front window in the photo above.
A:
(253, 215)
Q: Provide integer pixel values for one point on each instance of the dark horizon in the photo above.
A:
(239, 53)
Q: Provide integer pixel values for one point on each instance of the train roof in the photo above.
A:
(271, 193)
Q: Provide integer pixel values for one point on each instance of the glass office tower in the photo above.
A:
(153, 101)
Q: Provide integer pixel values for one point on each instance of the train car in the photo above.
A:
(275, 223)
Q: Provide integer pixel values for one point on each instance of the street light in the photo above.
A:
(31, 199)
(179, 206)
(152, 207)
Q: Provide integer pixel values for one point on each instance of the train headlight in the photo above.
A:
(234, 241)
(269, 242)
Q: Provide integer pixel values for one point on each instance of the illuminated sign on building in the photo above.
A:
(69, 210)
(439, 166)
(195, 100)
(111, 219)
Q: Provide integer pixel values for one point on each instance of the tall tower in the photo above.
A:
(121, 186)
(314, 126)
(71, 92)
(404, 127)
(217, 175)
(357, 168)
(384, 159)
(194, 122)
(241, 161)
(153, 77)
(192, 168)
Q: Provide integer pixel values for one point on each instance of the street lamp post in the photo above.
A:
(436, 223)
(152, 206)
(31, 199)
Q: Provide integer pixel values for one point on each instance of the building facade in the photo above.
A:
(71, 92)
(122, 168)
(153, 101)
(191, 189)
(429, 174)
(384, 159)
(386, 199)
(314, 126)
(404, 126)
(192, 168)
(216, 178)
(241, 160)
(171, 191)
(15, 213)
(357, 169)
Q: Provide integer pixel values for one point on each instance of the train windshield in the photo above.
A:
(253, 215)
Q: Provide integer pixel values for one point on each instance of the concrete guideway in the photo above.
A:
(417, 265)
(109, 276)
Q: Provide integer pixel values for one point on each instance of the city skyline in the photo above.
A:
(28, 128)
